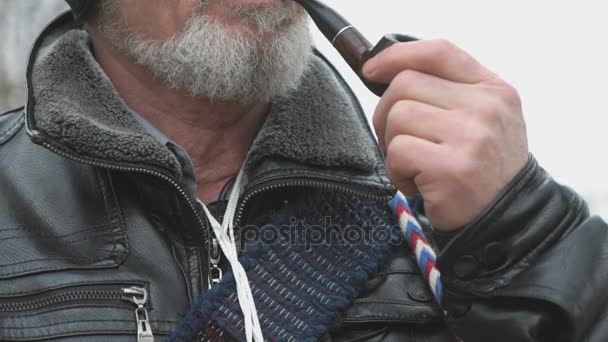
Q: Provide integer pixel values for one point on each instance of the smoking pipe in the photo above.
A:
(350, 43)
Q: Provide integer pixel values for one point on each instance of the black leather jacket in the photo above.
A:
(90, 205)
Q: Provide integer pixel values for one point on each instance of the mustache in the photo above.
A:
(264, 17)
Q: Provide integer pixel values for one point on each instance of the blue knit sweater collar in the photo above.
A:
(301, 288)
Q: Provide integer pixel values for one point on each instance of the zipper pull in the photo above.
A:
(139, 296)
(215, 256)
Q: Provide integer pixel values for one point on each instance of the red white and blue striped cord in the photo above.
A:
(418, 242)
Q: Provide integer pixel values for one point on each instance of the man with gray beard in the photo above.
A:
(255, 64)
(195, 171)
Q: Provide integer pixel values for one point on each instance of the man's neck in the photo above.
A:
(216, 135)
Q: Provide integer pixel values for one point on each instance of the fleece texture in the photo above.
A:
(75, 104)
(317, 124)
(77, 107)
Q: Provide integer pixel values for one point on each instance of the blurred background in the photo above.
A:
(553, 52)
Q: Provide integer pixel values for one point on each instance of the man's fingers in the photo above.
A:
(406, 157)
(431, 90)
(438, 92)
(435, 57)
(416, 119)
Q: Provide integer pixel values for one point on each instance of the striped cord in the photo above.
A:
(418, 242)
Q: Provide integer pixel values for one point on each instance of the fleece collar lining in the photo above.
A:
(75, 105)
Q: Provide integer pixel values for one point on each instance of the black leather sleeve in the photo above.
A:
(532, 267)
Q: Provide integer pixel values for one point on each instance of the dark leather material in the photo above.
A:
(104, 232)
(396, 306)
(74, 230)
(528, 217)
(9, 125)
(399, 301)
(89, 217)
(533, 266)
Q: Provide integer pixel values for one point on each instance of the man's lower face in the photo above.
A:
(235, 50)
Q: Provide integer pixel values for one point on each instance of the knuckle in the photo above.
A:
(494, 121)
(393, 119)
(441, 51)
(405, 78)
(392, 151)
(402, 109)
(489, 112)
(395, 155)
(510, 95)
(465, 170)
(483, 146)
(483, 138)
(505, 92)
(492, 111)
(443, 47)
(402, 114)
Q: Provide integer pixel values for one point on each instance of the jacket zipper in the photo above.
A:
(139, 297)
(105, 294)
(307, 183)
(215, 272)
(173, 183)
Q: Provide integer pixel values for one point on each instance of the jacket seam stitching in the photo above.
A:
(395, 317)
(95, 229)
(108, 213)
(395, 302)
(113, 211)
(97, 262)
(6, 134)
(13, 111)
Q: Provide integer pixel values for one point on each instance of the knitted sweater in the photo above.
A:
(302, 281)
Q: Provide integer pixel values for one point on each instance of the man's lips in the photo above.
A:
(258, 2)
(235, 13)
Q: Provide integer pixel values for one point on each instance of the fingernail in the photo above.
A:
(369, 69)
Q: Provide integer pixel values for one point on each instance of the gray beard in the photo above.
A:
(206, 58)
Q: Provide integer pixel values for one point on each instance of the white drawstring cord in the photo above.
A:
(225, 235)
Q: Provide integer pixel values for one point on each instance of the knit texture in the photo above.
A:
(301, 289)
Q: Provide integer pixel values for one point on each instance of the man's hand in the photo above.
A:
(450, 129)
